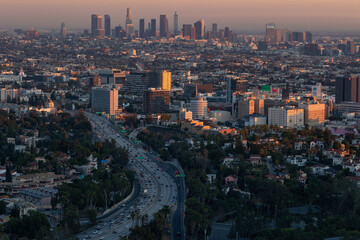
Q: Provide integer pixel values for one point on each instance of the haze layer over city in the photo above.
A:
(216, 120)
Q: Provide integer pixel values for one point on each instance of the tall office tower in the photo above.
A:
(129, 24)
(270, 33)
(298, 36)
(278, 35)
(142, 28)
(234, 84)
(259, 106)
(199, 29)
(286, 35)
(160, 79)
(153, 28)
(128, 16)
(227, 32)
(308, 37)
(350, 48)
(136, 83)
(286, 117)
(187, 31)
(105, 99)
(176, 23)
(164, 26)
(107, 25)
(63, 30)
(96, 24)
(156, 101)
(246, 107)
(347, 89)
(314, 114)
(214, 32)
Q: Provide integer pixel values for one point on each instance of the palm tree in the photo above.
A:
(144, 219)
(166, 210)
(132, 214)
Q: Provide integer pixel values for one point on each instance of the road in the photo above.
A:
(178, 217)
(157, 186)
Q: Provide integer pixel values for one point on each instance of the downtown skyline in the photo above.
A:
(248, 16)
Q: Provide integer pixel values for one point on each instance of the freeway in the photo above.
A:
(157, 187)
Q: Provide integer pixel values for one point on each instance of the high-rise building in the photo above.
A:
(187, 31)
(286, 117)
(160, 80)
(298, 36)
(259, 106)
(214, 32)
(234, 84)
(63, 30)
(246, 107)
(156, 101)
(286, 35)
(176, 23)
(105, 99)
(347, 89)
(164, 26)
(270, 33)
(308, 37)
(128, 23)
(96, 25)
(128, 17)
(107, 25)
(314, 114)
(199, 108)
(200, 29)
(278, 35)
(153, 28)
(350, 48)
(142, 28)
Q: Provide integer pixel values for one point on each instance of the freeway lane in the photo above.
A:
(158, 188)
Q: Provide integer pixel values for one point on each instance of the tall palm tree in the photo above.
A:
(132, 214)
(166, 210)
(144, 219)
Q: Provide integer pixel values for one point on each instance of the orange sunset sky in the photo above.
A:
(240, 15)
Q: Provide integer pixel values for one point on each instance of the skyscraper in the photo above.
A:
(160, 79)
(107, 25)
(187, 31)
(278, 35)
(350, 47)
(270, 33)
(96, 24)
(104, 99)
(347, 89)
(298, 36)
(176, 23)
(63, 30)
(199, 29)
(153, 28)
(129, 24)
(308, 37)
(156, 101)
(128, 17)
(164, 27)
(214, 32)
(142, 28)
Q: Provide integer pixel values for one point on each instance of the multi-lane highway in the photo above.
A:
(158, 187)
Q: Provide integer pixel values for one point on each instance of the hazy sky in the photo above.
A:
(240, 15)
